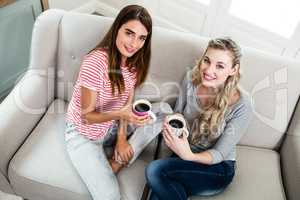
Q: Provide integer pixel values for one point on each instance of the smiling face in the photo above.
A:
(131, 38)
(216, 66)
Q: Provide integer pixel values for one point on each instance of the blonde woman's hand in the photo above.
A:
(178, 145)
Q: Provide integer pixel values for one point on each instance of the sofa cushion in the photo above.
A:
(290, 158)
(72, 50)
(258, 177)
(6, 196)
(4, 185)
(273, 86)
(42, 167)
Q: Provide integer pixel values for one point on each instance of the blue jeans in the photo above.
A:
(174, 178)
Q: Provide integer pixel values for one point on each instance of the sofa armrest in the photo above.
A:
(21, 110)
(6, 191)
(290, 158)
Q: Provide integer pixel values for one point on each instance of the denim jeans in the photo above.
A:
(177, 179)
(90, 159)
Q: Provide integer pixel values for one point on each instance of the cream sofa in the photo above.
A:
(33, 159)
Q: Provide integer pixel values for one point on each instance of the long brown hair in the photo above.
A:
(140, 61)
(209, 120)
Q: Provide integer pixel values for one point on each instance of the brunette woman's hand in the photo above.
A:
(123, 151)
(127, 114)
(178, 145)
(130, 117)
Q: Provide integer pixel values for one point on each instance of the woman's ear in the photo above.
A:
(234, 69)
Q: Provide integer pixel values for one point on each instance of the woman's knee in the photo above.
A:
(154, 170)
(165, 108)
(151, 171)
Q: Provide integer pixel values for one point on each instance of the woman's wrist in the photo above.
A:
(118, 114)
(192, 157)
(122, 132)
(202, 157)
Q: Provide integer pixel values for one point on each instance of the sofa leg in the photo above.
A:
(145, 192)
(157, 149)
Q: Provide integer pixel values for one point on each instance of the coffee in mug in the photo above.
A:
(177, 124)
(143, 107)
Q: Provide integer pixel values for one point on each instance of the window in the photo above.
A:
(280, 17)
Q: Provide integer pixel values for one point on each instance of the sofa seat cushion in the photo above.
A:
(4, 185)
(41, 169)
(258, 177)
(6, 196)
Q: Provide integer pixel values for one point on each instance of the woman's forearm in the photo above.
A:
(122, 132)
(97, 117)
(204, 157)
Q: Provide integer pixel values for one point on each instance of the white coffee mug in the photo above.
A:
(143, 107)
(177, 124)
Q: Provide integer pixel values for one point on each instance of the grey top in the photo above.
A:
(235, 123)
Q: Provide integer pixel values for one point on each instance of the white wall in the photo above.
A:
(66, 4)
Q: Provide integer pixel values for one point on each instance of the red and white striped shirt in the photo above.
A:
(94, 76)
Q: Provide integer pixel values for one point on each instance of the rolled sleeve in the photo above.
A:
(216, 155)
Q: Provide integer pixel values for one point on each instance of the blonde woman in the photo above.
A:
(218, 114)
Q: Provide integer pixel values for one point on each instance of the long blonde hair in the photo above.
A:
(210, 119)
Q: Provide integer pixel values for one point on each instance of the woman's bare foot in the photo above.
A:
(115, 166)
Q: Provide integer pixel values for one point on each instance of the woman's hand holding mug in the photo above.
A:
(127, 113)
(175, 136)
(142, 107)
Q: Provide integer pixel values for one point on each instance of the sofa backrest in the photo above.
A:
(273, 85)
(271, 81)
(79, 33)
